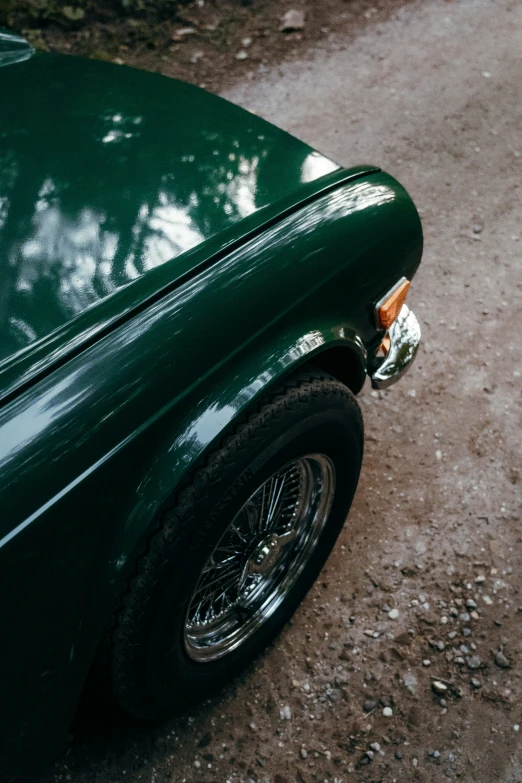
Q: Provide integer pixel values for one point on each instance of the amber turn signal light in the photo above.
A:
(389, 307)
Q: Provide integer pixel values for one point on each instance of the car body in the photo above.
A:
(166, 257)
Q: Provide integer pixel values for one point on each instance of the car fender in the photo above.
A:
(205, 417)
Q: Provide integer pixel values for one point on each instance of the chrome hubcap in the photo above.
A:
(267, 552)
(259, 557)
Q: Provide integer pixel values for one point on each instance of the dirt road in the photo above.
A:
(434, 95)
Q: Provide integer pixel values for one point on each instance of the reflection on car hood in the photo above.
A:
(107, 173)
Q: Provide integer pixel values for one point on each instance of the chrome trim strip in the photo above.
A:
(405, 335)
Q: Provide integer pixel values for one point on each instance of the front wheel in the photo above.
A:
(239, 549)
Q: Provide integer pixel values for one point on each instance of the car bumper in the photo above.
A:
(401, 342)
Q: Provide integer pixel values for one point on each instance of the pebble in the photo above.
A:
(473, 662)
(292, 20)
(487, 600)
(393, 614)
(375, 746)
(466, 631)
(285, 713)
(410, 682)
(439, 687)
(465, 617)
(452, 634)
(369, 705)
(398, 755)
(387, 712)
(241, 55)
(303, 753)
(426, 662)
(501, 660)
(480, 579)
(471, 604)
(474, 615)
(475, 683)
(516, 727)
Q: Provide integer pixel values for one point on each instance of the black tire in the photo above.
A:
(150, 673)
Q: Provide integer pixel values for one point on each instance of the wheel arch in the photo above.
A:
(343, 362)
(219, 404)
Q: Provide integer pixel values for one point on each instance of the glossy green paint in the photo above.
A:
(99, 436)
(114, 183)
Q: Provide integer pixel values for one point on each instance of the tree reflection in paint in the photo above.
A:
(106, 173)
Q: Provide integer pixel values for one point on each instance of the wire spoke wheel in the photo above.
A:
(259, 557)
(237, 547)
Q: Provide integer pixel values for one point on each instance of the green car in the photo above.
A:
(190, 300)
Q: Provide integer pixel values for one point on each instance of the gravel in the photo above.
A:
(501, 660)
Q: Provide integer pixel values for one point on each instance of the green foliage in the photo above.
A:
(36, 39)
(29, 13)
(73, 12)
(148, 5)
(20, 14)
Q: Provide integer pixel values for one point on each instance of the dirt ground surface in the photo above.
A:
(213, 43)
(404, 663)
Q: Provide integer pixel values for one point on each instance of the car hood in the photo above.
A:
(107, 173)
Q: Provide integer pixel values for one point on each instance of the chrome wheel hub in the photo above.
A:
(267, 552)
(259, 557)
